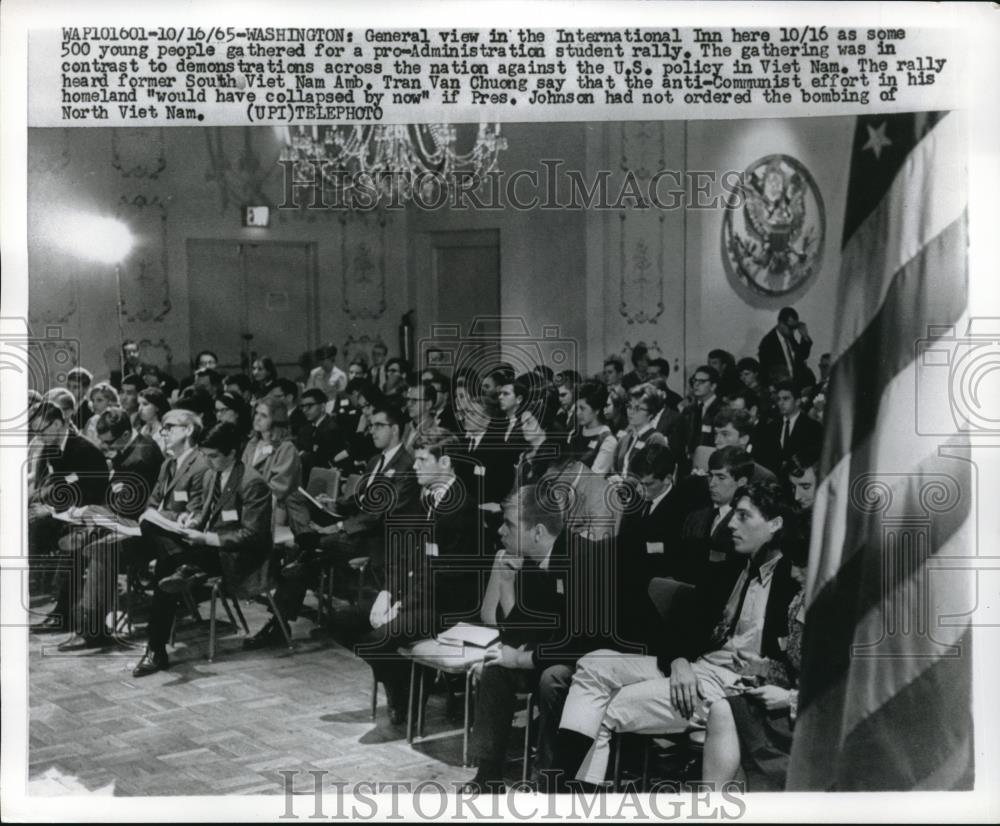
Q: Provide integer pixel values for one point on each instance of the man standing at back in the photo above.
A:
(781, 354)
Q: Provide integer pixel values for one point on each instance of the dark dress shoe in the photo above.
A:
(78, 642)
(397, 716)
(268, 637)
(185, 577)
(151, 662)
(52, 624)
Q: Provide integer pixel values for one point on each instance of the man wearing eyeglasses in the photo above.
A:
(421, 401)
(694, 428)
(319, 439)
(72, 473)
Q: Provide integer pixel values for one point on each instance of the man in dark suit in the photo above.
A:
(71, 472)
(640, 367)
(694, 427)
(235, 520)
(78, 381)
(376, 373)
(659, 369)
(319, 439)
(135, 462)
(433, 574)
(781, 354)
(616, 693)
(790, 434)
(734, 428)
(706, 542)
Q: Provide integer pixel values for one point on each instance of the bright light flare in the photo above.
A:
(95, 238)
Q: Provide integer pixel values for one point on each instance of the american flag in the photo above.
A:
(885, 693)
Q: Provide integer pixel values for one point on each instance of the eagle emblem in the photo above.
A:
(774, 227)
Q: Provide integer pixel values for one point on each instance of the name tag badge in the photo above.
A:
(706, 428)
(654, 547)
(72, 479)
(391, 472)
(559, 586)
(230, 516)
(640, 445)
(431, 549)
(592, 444)
(716, 556)
(783, 643)
(800, 615)
(117, 487)
(479, 470)
(180, 496)
(315, 448)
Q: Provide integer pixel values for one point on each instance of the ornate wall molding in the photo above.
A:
(138, 153)
(362, 266)
(145, 282)
(361, 346)
(240, 175)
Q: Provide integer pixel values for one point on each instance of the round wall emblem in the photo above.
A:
(774, 227)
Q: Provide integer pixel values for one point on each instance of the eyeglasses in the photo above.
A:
(696, 380)
(170, 425)
(304, 405)
(380, 424)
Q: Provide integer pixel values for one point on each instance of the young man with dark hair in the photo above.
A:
(694, 427)
(78, 382)
(319, 438)
(792, 433)
(615, 693)
(640, 367)
(132, 385)
(734, 428)
(659, 368)
(614, 371)
(421, 400)
(376, 373)
(239, 384)
(210, 379)
(801, 473)
(234, 520)
(287, 391)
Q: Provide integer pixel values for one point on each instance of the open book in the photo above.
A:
(320, 512)
(95, 516)
(467, 634)
(154, 517)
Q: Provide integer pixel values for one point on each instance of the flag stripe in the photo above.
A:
(921, 737)
(930, 290)
(934, 179)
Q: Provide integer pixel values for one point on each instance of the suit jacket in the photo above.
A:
(134, 472)
(72, 476)
(319, 444)
(82, 414)
(393, 489)
(772, 357)
(377, 375)
(241, 516)
(498, 457)
(690, 428)
(649, 436)
(539, 613)
(180, 489)
(698, 636)
(805, 436)
(704, 549)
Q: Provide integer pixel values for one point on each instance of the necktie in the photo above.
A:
(716, 516)
(427, 501)
(214, 499)
(647, 507)
(753, 571)
(169, 481)
(788, 355)
(784, 433)
(377, 471)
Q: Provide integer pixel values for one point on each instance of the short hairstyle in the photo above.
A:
(235, 403)
(708, 370)
(198, 401)
(392, 413)
(535, 509)
(286, 386)
(438, 443)
(133, 380)
(544, 371)
(570, 377)
(115, 421)
(750, 399)
(786, 314)
(735, 460)
(380, 345)
(441, 382)
(104, 388)
(648, 395)
(61, 398)
(211, 353)
(224, 437)
(594, 393)
(157, 398)
(796, 467)
(615, 361)
(187, 418)
(640, 351)
(362, 386)
(402, 364)
(47, 413)
(316, 395)
(747, 363)
(663, 365)
(359, 361)
(148, 368)
(786, 384)
(326, 351)
(80, 374)
(502, 376)
(653, 460)
(739, 419)
(767, 497)
(241, 380)
(722, 355)
(428, 390)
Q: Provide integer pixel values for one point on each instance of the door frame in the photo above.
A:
(312, 284)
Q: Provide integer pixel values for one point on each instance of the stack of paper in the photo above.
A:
(467, 634)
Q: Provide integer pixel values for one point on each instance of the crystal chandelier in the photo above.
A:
(397, 160)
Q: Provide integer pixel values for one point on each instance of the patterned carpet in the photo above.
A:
(226, 727)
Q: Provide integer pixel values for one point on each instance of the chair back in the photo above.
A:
(672, 599)
(323, 481)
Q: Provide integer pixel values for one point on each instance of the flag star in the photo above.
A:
(877, 139)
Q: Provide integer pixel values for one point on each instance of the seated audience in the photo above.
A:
(792, 433)
(153, 406)
(102, 397)
(593, 443)
(327, 376)
(131, 386)
(78, 382)
(263, 374)
(239, 384)
(644, 404)
(734, 428)
(319, 440)
(694, 427)
(639, 374)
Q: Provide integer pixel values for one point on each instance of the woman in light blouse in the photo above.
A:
(102, 396)
(273, 454)
(153, 406)
(593, 442)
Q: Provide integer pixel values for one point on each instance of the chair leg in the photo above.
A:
(618, 763)
(529, 704)
(191, 605)
(321, 597)
(229, 611)
(465, 718)
(646, 749)
(374, 696)
(420, 708)
(281, 622)
(211, 623)
(173, 631)
(409, 705)
(239, 613)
